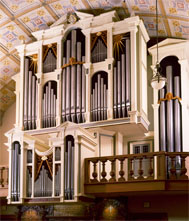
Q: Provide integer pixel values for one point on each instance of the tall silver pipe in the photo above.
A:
(119, 87)
(26, 93)
(18, 176)
(177, 115)
(33, 101)
(162, 122)
(94, 116)
(105, 102)
(72, 172)
(73, 77)
(96, 101)
(64, 91)
(12, 170)
(128, 74)
(66, 174)
(79, 97)
(98, 84)
(68, 82)
(49, 103)
(52, 107)
(115, 92)
(123, 98)
(30, 101)
(170, 133)
(69, 168)
(102, 98)
(44, 111)
(83, 101)
(16, 172)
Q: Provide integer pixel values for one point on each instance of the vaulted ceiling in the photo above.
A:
(18, 18)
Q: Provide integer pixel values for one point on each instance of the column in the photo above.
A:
(87, 66)
(133, 50)
(184, 102)
(40, 84)
(110, 60)
(76, 167)
(22, 171)
(21, 89)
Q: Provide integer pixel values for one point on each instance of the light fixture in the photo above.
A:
(158, 81)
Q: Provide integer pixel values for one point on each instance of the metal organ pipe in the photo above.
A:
(68, 86)
(177, 115)
(64, 92)
(162, 122)
(26, 93)
(73, 77)
(83, 101)
(123, 105)
(170, 134)
(30, 101)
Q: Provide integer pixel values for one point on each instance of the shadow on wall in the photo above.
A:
(8, 121)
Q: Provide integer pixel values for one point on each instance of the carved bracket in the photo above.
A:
(168, 97)
(72, 61)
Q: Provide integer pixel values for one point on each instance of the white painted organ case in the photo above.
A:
(89, 73)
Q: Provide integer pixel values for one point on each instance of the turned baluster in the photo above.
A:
(183, 170)
(7, 181)
(140, 170)
(131, 171)
(112, 172)
(173, 168)
(1, 177)
(103, 173)
(121, 172)
(94, 174)
(150, 170)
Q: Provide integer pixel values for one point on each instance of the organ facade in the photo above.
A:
(82, 93)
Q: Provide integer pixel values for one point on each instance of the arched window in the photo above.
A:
(99, 90)
(15, 171)
(69, 168)
(73, 78)
(170, 109)
(49, 104)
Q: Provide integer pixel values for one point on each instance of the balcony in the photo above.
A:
(4, 171)
(136, 173)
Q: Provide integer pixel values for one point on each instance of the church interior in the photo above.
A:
(94, 110)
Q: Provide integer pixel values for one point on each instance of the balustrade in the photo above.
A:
(140, 167)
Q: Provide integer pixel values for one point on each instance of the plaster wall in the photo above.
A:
(8, 122)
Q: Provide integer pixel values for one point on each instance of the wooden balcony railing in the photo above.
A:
(136, 172)
(4, 174)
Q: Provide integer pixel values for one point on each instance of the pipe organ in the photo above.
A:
(99, 96)
(170, 112)
(49, 104)
(30, 96)
(73, 78)
(122, 83)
